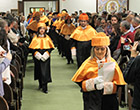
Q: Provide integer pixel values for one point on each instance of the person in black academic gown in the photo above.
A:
(98, 84)
(81, 39)
(42, 46)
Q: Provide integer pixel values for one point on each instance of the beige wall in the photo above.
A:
(134, 5)
(76, 5)
(7, 5)
(70, 5)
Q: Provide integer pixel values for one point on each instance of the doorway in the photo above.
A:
(26, 6)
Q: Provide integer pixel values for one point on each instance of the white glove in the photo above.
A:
(98, 80)
(73, 53)
(45, 56)
(100, 86)
(38, 56)
(108, 87)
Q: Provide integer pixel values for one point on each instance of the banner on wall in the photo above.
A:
(111, 5)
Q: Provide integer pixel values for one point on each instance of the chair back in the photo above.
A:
(8, 93)
(3, 104)
(14, 71)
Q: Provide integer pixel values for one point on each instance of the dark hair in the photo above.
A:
(55, 13)
(99, 19)
(67, 21)
(39, 33)
(9, 20)
(105, 12)
(115, 17)
(3, 13)
(76, 12)
(80, 11)
(117, 28)
(137, 38)
(3, 39)
(65, 10)
(137, 35)
(73, 14)
(93, 18)
(109, 17)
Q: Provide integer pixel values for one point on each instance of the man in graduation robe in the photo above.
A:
(81, 38)
(43, 18)
(66, 30)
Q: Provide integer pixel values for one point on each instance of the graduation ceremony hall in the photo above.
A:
(69, 55)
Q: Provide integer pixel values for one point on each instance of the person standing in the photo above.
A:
(66, 30)
(99, 77)
(127, 34)
(81, 39)
(43, 18)
(42, 46)
(136, 23)
(131, 72)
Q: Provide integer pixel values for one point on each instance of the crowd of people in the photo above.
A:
(105, 48)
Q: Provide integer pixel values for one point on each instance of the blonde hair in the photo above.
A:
(107, 55)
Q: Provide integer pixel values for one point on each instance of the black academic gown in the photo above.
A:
(42, 71)
(82, 41)
(83, 49)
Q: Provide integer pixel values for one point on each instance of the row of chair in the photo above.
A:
(13, 92)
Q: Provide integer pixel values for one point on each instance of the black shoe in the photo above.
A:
(45, 88)
(40, 87)
(46, 92)
(72, 61)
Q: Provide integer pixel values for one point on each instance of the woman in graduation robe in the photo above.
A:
(99, 87)
(42, 46)
(81, 39)
(66, 30)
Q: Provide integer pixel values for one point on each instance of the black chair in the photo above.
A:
(18, 80)
(3, 104)
(8, 95)
(16, 92)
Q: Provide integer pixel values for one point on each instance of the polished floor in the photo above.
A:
(63, 93)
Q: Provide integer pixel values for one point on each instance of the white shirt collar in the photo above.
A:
(41, 35)
(84, 27)
(100, 61)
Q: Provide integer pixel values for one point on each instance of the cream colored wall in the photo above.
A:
(7, 5)
(70, 5)
(76, 5)
(134, 5)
